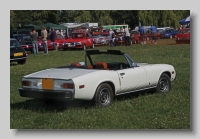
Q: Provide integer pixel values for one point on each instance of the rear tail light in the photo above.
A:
(26, 83)
(26, 53)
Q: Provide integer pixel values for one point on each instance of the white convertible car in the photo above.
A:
(103, 75)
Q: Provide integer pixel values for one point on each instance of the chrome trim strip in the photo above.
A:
(135, 90)
(18, 58)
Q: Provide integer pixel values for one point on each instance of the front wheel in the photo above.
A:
(84, 47)
(164, 84)
(92, 46)
(103, 95)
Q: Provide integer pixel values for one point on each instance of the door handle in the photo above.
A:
(121, 74)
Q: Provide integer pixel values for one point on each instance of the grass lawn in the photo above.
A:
(135, 111)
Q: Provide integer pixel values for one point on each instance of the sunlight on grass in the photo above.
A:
(135, 111)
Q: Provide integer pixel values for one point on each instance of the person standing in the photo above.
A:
(127, 36)
(121, 29)
(142, 32)
(111, 37)
(181, 27)
(44, 39)
(34, 36)
(153, 33)
(52, 38)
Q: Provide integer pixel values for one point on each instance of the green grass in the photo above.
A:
(135, 111)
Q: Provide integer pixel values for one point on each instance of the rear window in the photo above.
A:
(14, 44)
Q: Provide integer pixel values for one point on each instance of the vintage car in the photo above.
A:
(158, 33)
(183, 36)
(102, 76)
(95, 31)
(169, 33)
(80, 39)
(17, 53)
(119, 38)
(100, 40)
(59, 41)
(134, 36)
(25, 41)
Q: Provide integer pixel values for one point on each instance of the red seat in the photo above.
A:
(76, 64)
(101, 65)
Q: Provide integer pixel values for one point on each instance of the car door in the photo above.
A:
(132, 79)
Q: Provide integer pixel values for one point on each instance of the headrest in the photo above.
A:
(76, 64)
(101, 65)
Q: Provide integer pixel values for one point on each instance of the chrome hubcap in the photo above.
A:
(104, 96)
(164, 85)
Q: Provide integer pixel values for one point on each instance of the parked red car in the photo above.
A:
(183, 36)
(80, 39)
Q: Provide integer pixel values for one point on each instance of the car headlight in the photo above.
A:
(78, 43)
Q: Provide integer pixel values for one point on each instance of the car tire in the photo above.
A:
(32, 51)
(84, 47)
(92, 46)
(164, 84)
(103, 95)
(21, 62)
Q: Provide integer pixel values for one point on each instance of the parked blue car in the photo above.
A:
(169, 33)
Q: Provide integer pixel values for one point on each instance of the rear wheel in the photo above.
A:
(103, 95)
(164, 84)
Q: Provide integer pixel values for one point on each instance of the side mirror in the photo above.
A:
(134, 64)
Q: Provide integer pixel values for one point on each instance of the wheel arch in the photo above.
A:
(167, 72)
(108, 82)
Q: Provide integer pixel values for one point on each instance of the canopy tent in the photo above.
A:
(37, 27)
(55, 26)
(72, 25)
(185, 21)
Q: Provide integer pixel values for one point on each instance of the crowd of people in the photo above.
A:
(44, 34)
(126, 36)
(52, 35)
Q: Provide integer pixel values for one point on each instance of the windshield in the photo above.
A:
(108, 58)
(14, 44)
(78, 35)
(184, 31)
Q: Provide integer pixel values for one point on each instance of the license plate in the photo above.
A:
(47, 84)
(18, 54)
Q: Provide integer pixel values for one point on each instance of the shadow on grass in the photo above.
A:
(50, 106)
(42, 106)
(13, 64)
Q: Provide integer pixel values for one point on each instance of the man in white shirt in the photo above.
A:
(127, 36)
(111, 32)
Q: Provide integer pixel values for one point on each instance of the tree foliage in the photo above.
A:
(159, 18)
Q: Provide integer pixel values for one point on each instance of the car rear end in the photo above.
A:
(17, 53)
